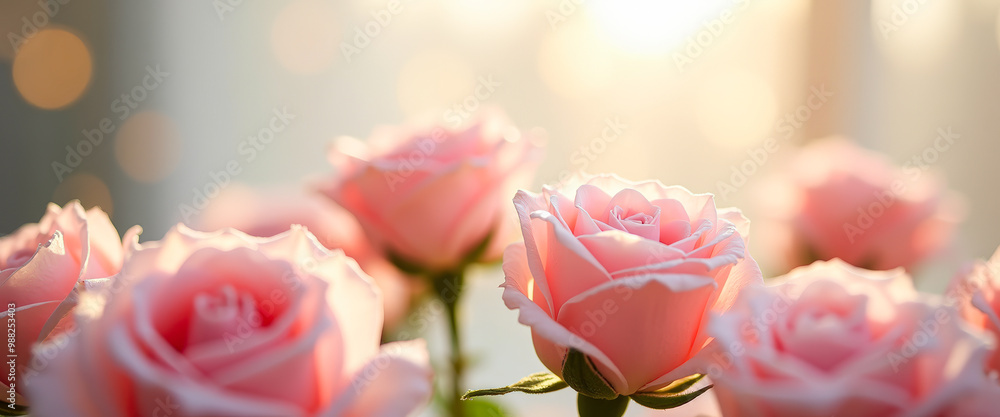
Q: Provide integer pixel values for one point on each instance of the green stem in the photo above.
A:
(449, 290)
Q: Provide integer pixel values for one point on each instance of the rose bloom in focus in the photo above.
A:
(226, 324)
(265, 212)
(432, 196)
(625, 273)
(835, 199)
(977, 294)
(43, 268)
(834, 339)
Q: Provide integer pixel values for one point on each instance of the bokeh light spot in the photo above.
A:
(88, 188)
(147, 147)
(52, 69)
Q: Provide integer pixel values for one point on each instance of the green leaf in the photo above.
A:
(539, 383)
(663, 400)
(483, 408)
(579, 372)
(593, 407)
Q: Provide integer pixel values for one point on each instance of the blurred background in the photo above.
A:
(138, 107)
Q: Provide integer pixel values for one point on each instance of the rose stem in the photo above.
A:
(449, 288)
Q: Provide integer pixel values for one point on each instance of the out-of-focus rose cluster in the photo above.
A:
(292, 299)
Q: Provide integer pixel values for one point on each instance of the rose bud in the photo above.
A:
(432, 197)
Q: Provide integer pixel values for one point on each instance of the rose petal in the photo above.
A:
(612, 313)
(394, 383)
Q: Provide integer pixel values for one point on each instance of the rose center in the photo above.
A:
(634, 217)
(225, 311)
(827, 338)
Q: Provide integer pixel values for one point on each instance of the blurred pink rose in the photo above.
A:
(625, 273)
(977, 294)
(835, 199)
(833, 339)
(226, 324)
(982, 401)
(433, 195)
(40, 267)
(266, 212)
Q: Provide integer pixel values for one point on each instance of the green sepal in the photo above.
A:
(672, 395)
(539, 383)
(581, 375)
(594, 407)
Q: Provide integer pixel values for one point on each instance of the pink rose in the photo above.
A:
(625, 273)
(226, 324)
(838, 200)
(40, 267)
(432, 196)
(977, 294)
(267, 212)
(982, 401)
(833, 339)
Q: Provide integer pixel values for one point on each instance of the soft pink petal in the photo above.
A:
(395, 383)
(619, 311)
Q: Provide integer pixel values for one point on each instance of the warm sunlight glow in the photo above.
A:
(655, 27)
